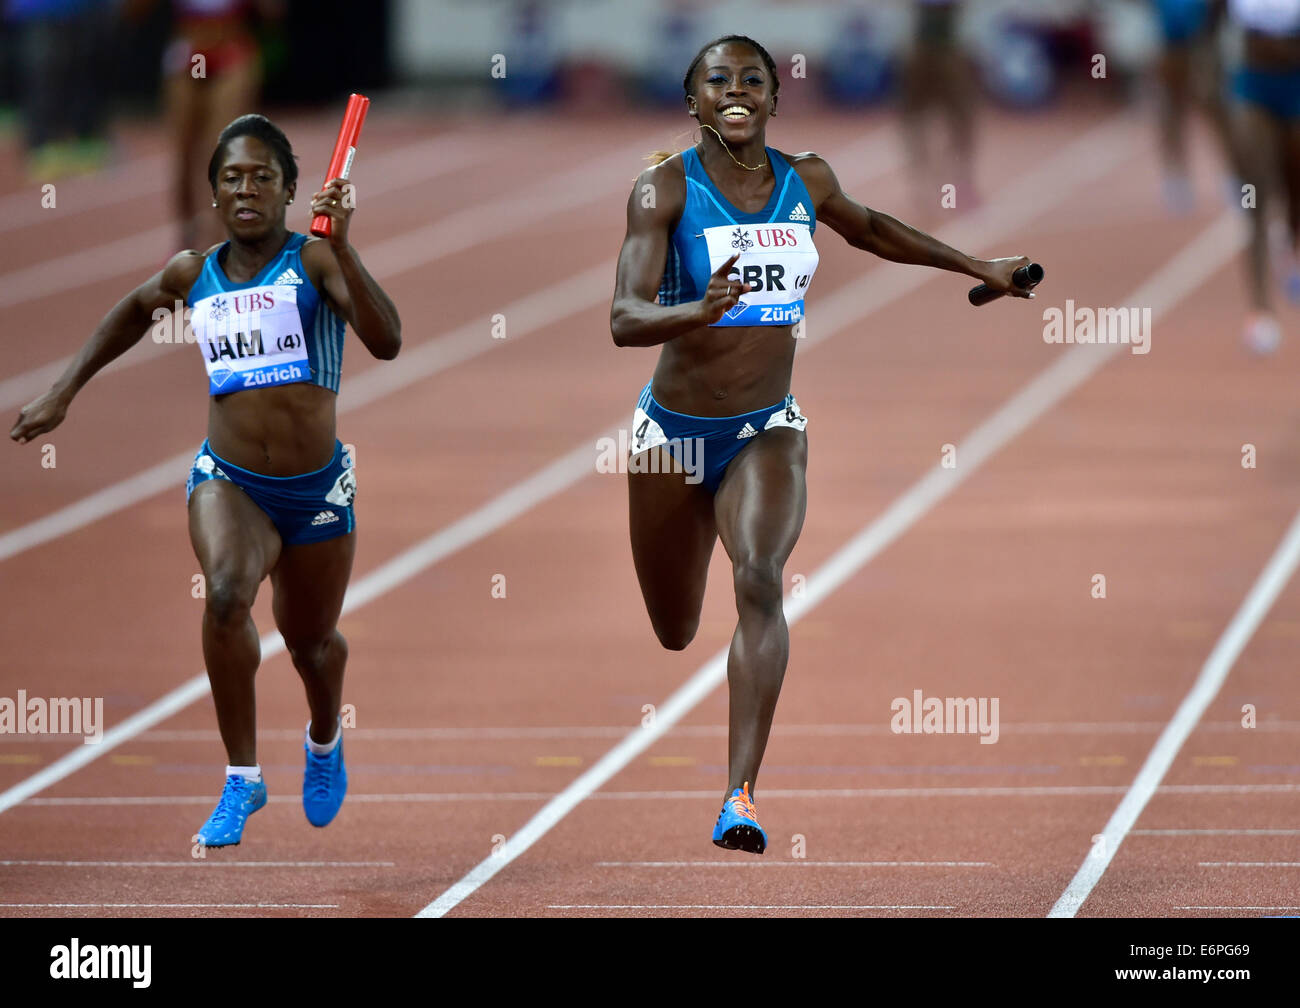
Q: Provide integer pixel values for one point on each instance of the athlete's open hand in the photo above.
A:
(722, 294)
(38, 416)
(336, 201)
(996, 273)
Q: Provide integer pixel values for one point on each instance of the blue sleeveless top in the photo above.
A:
(777, 254)
(275, 329)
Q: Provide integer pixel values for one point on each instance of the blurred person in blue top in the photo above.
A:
(1266, 120)
(65, 82)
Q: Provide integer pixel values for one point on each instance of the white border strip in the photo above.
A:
(1215, 670)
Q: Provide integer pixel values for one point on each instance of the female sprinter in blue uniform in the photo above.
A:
(1266, 93)
(271, 489)
(726, 245)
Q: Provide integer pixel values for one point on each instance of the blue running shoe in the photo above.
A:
(738, 827)
(324, 783)
(240, 798)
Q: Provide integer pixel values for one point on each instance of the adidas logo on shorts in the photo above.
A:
(799, 213)
(324, 518)
(746, 431)
(289, 276)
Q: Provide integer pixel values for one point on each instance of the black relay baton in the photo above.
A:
(1026, 278)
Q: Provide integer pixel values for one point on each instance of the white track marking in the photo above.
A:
(450, 734)
(1236, 908)
(1214, 832)
(793, 862)
(739, 906)
(1248, 864)
(196, 861)
(1213, 673)
(142, 176)
(174, 906)
(1173, 281)
(785, 794)
(545, 306)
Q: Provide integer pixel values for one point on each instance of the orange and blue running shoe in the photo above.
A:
(738, 827)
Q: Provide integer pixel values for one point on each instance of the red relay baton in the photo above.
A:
(345, 149)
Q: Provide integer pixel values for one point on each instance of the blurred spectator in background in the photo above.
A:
(677, 34)
(64, 84)
(1266, 120)
(1190, 71)
(533, 71)
(212, 74)
(937, 75)
(858, 65)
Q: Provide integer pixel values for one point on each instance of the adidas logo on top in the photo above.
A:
(291, 277)
(746, 431)
(324, 518)
(800, 213)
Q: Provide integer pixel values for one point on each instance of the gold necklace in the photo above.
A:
(728, 150)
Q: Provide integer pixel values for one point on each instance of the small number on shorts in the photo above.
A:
(641, 431)
(791, 416)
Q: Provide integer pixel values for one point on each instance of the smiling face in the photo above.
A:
(734, 92)
(250, 189)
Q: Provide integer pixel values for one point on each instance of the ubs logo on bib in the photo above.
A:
(740, 240)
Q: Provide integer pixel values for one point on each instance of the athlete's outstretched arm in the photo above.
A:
(653, 210)
(120, 330)
(891, 239)
(355, 294)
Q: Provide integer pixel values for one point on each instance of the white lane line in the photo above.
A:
(794, 863)
(545, 306)
(503, 508)
(1214, 832)
(174, 906)
(200, 862)
(1052, 385)
(1248, 864)
(142, 176)
(815, 794)
(742, 906)
(1236, 908)
(451, 734)
(1253, 609)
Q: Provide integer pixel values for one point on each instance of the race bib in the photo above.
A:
(777, 260)
(251, 338)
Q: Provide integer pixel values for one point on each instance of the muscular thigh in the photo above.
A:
(309, 582)
(673, 532)
(233, 538)
(761, 503)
